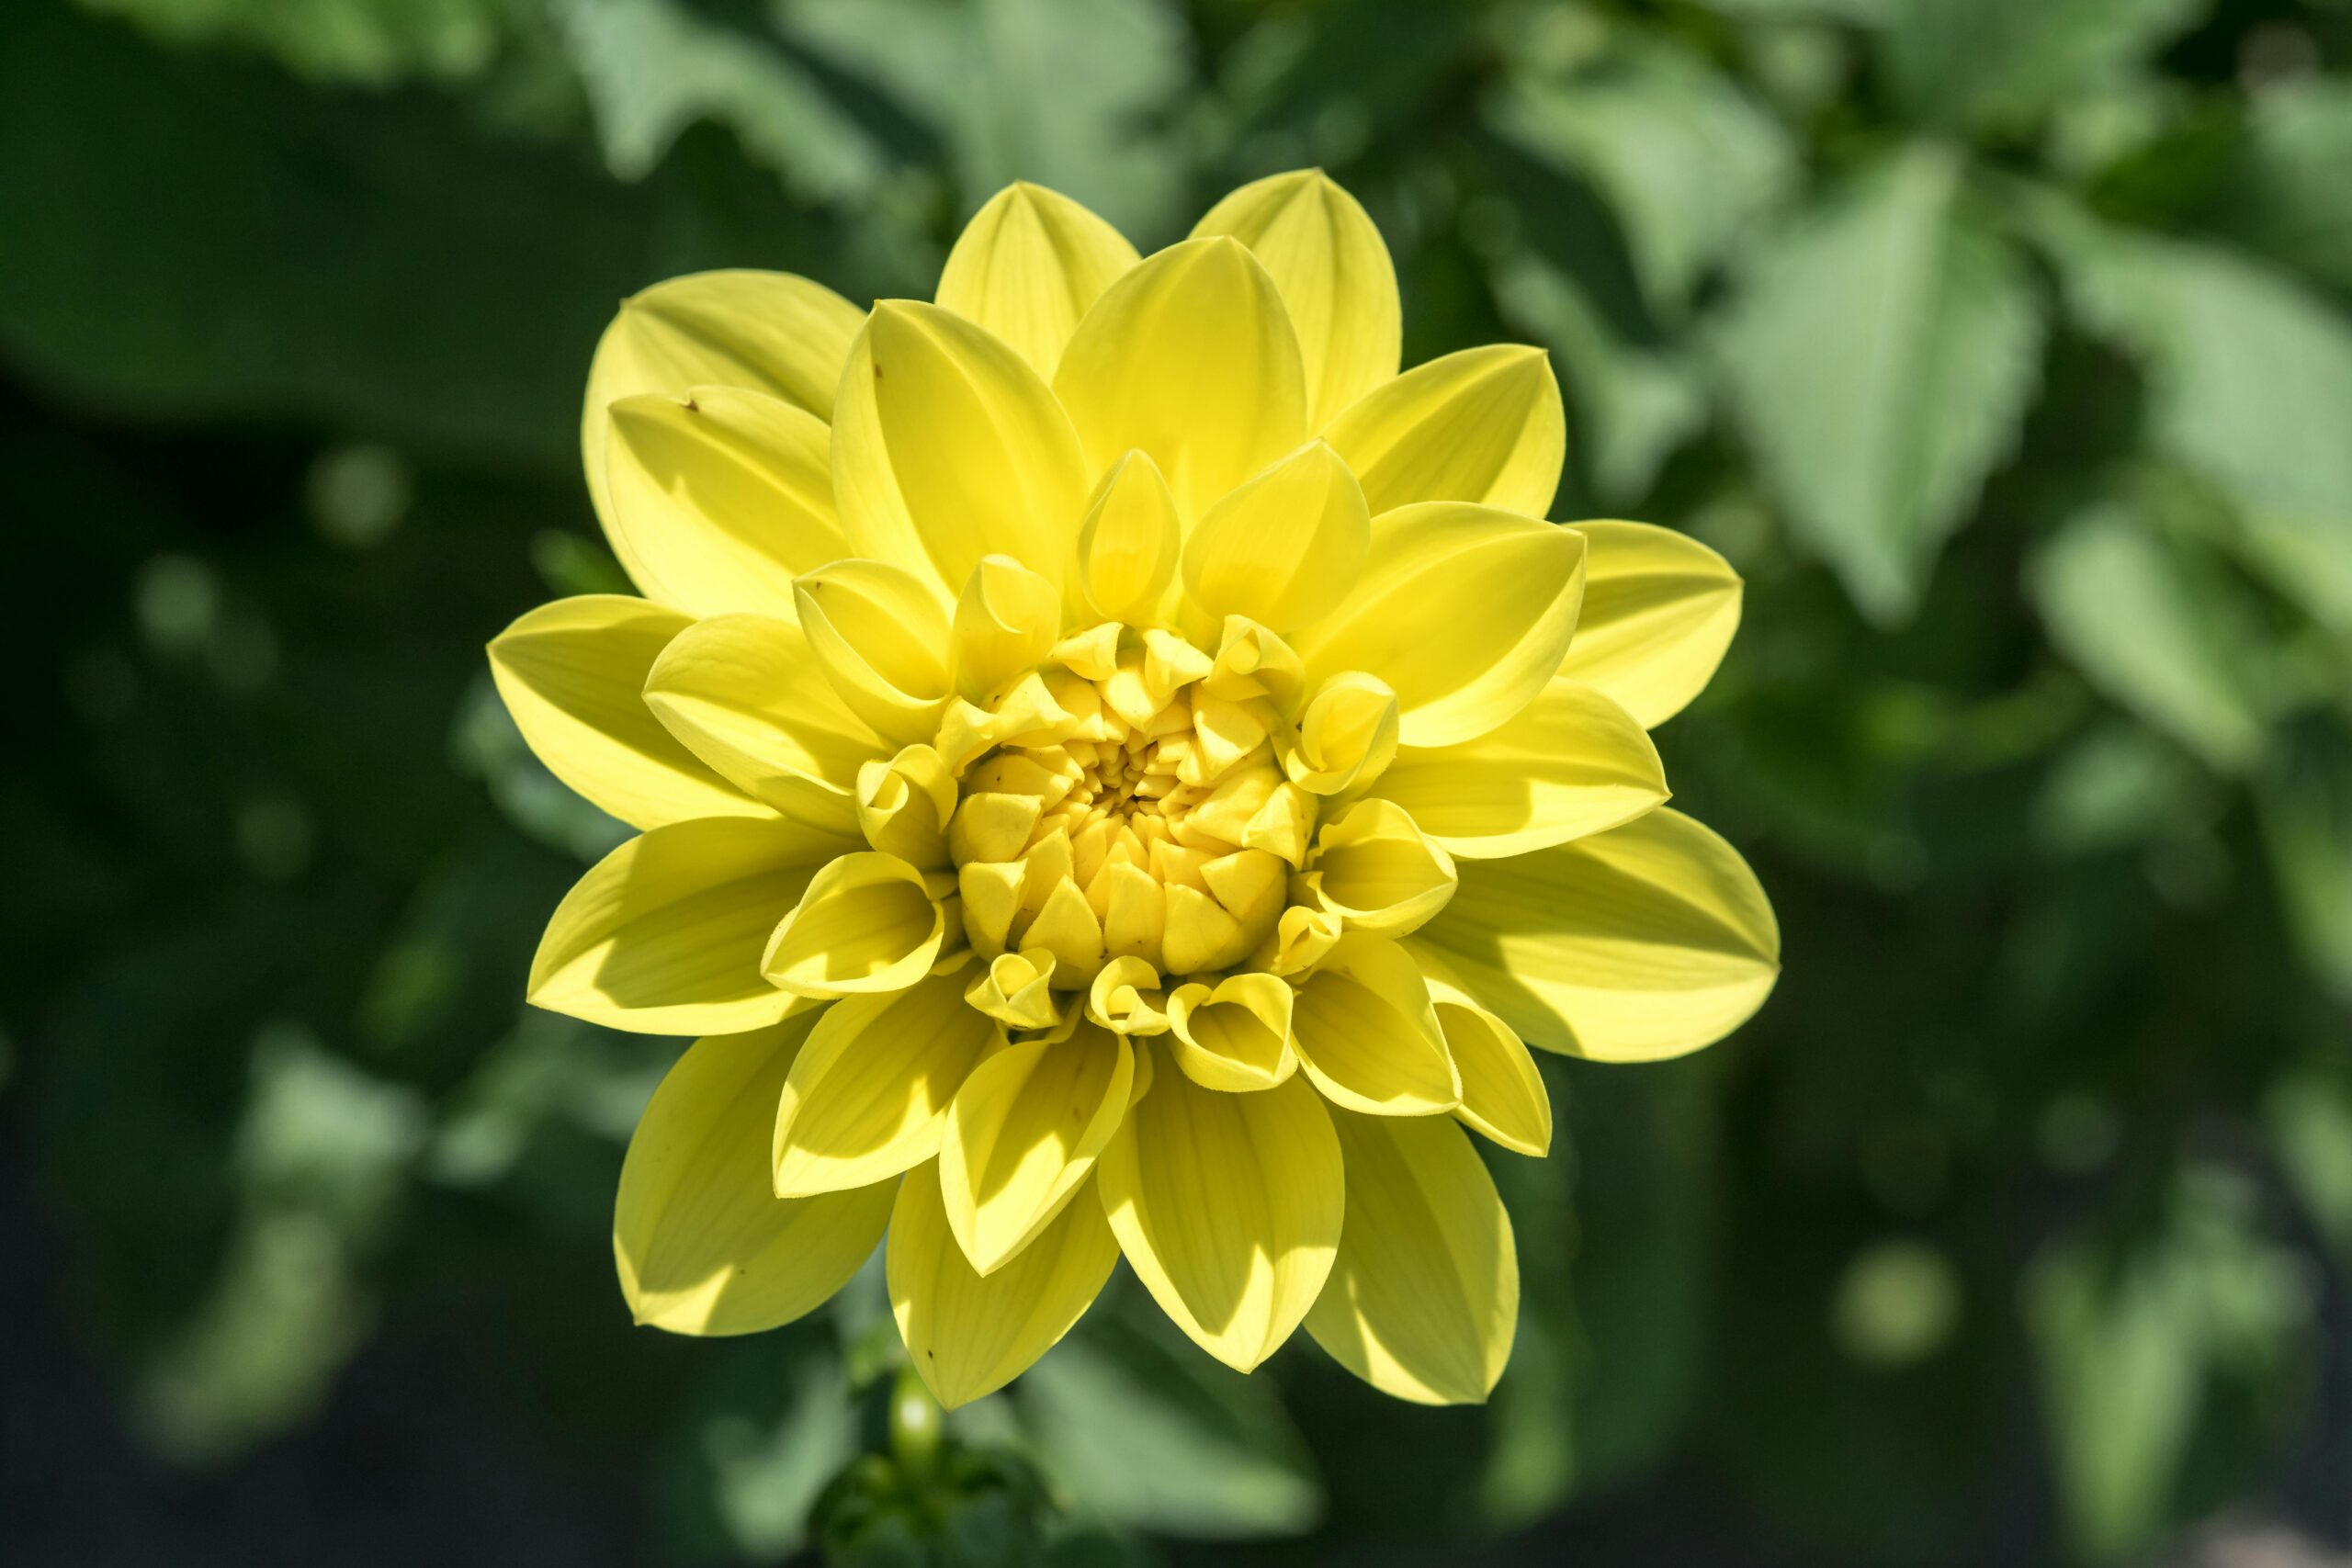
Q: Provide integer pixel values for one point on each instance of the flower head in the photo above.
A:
(1122, 771)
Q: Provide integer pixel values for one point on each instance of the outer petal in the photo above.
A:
(867, 922)
(744, 692)
(1465, 611)
(948, 446)
(868, 1097)
(1647, 941)
(1022, 1134)
(703, 1243)
(968, 1335)
(1424, 1299)
(571, 673)
(1028, 265)
(768, 330)
(1227, 1207)
(1367, 1034)
(719, 496)
(1283, 548)
(1190, 357)
(1573, 763)
(1659, 609)
(1326, 257)
(1482, 425)
(664, 934)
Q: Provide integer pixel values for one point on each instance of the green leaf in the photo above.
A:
(1681, 156)
(334, 262)
(2305, 806)
(1159, 1437)
(1879, 360)
(2308, 1112)
(2284, 192)
(769, 1422)
(2119, 786)
(2149, 627)
(2138, 1344)
(653, 68)
(1634, 406)
(370, 42)
(1835, 10)
(1066, 92)
(1998, 64)
(1613, 1231)
(765, 1474)
(2250, 385)
(324, 1156)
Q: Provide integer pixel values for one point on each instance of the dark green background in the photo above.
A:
(2004, 345)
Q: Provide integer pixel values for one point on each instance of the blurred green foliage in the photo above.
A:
(2006, 346)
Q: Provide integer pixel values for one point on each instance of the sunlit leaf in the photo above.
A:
(2150, 628)
(1159, 1437)
(1879, 360)
(1996, 63)
(2249, 376)
(1683, 159)
(654, 67)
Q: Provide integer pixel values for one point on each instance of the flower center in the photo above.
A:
(1147, 818)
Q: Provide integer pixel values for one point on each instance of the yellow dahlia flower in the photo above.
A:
(1121, 770)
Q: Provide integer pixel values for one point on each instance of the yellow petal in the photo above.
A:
(948, 446)
(1070, 930)
(1016, 990)
(1301, 939)
(1378, 871)
(1024, 1133)
(903, 806)
(1251, 663)
(1227, 1207)
(767, 331)
(703, 1244)
(1424, 1299)
(1659, 609)
(867, 923)
(1465, 611)
(719, 496)
(868, 1096)
(1125, 996)
(970, 1336)
(1028, 265)
(1128, 546)
(571, 673)
(1347, 738)
(1234, 1036)
(1007, 620)
(1502, 1092)
(1367, 1034)
(1283, 548)
(664, 935)
(1572, 763)
(1327, 259)
(1647, 941)
(1483, 425)
(881, 639)
(1189, 356)
(744, 694)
